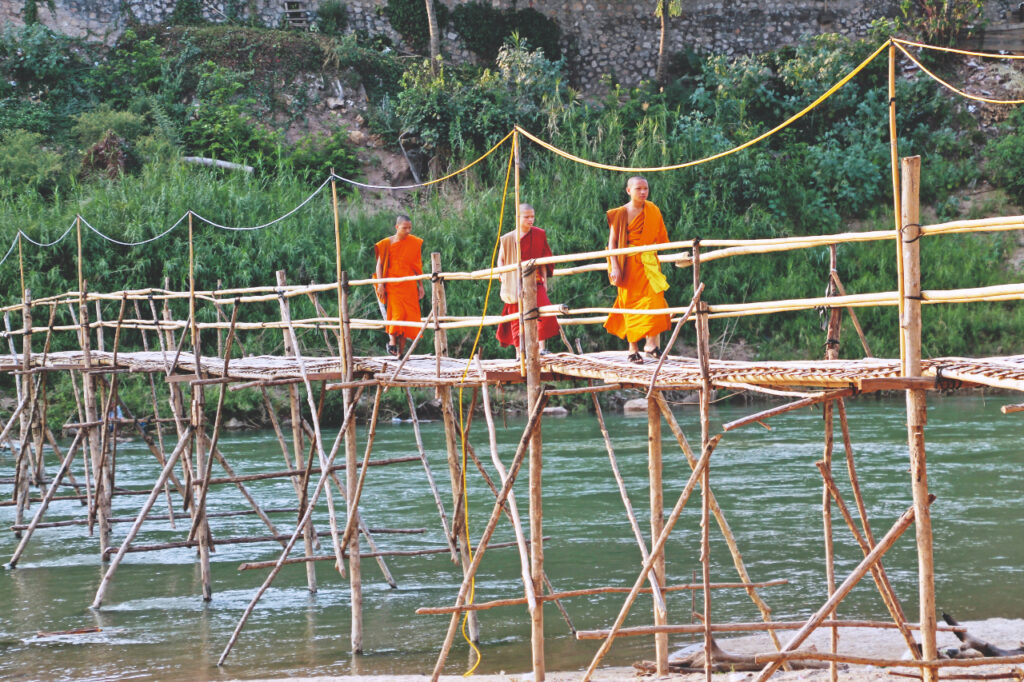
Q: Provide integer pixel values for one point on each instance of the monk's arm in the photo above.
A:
(614, 272)
(378, 273)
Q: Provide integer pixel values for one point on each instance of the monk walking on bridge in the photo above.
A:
(641, 285)
(400, 255)
(533, 243)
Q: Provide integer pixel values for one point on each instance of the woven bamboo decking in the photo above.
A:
(677, 372)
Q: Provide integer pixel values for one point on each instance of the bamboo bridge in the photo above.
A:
(146, 335)
(145, 339)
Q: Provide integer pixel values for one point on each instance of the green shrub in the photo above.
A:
(313, 156)
(28, 166)
(187, 12)
(331, 17)
(25, 114)
(134, 68)
(942, 22)
(409, 18)
(380, 71)
(92, 126)
(1005, 157)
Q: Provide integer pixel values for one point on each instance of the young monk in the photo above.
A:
(637, 276)
(533, 242)
(400, 256)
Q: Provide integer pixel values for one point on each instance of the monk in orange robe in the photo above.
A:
(400, 256)
(533, 243)
(641, 285)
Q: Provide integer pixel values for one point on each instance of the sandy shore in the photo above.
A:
(880, 643)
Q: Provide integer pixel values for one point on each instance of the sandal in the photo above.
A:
(635, 359)
(392, 349)
(653, 353)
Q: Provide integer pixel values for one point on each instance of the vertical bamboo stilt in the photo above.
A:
(910, 234)
(833, 329)
(703, 358)
(99, 512)
(22, 465)
(351, 472)
(657, 523)
(444, 393)
(531, 352)
(297, 444)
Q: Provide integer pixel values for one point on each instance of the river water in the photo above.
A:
(154, 624)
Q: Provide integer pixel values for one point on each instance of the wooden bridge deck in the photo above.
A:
(677, 372)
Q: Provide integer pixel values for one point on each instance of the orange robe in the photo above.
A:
(401, 259)
(636, 291)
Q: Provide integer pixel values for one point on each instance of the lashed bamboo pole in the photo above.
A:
(430, 477)
(513, 508)
(156, 412)
(704, 360)
(901, 524)
(291, 349)
(690, 628)
(346, 425)
(499, 502)
(670, 523)
(530, 351)
(143, 512)
(654, 470)
(892, 662)
(439, 308)
(351, 475)
(41, 510)
(591, 591)
(788, 407)
(877, 571)
(832, 333)
(673, 337)
(910, 322)
(253, 565)
(723, 524)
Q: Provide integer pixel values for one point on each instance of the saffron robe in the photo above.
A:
(534, 244)
(642, 286)
(401, 259)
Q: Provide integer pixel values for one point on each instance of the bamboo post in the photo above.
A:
(444, 393)
(910, 323)
(351, 474)
(723, 524)
(143, 512)
(656, 547)
(156, 407)
(297, 444)
(896, 198)
(499, 503)
(851, 581)
(833, 330)
(100, 511)
(54, 484)
(198, 419)
(22, 465)
(324, 476)
(654, 468)
(531, 352)
(703, 358)
(513, 508)
(430, 476)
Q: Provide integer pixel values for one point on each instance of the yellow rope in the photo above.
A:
(955, 89)
(462, 421)
(987, 55)
(429, 182)
(653, 169)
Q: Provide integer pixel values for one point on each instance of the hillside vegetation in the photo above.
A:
(101, 132)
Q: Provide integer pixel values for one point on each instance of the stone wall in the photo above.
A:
(614, 37)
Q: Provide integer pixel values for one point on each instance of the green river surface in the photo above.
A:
(156, 626)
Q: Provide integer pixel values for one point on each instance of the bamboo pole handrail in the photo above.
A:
(753, 626)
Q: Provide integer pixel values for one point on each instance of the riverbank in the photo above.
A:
(865, 642)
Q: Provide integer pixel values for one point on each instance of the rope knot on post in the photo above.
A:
(904, 234)
(532, 314)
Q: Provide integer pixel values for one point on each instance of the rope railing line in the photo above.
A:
(731, 248)
(465, 168)
(654, 169)
(950, 86)
(272, 222)
(14, 243)
(56, 241)
(954, 50)
(145, 241)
